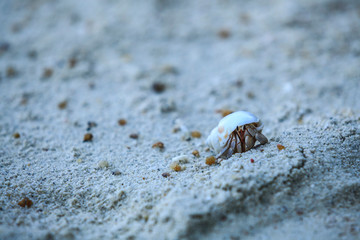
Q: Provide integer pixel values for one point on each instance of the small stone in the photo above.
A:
(103, 164)
(158, 87)
(224, 33)
(280, 147)
(72, 62)
(165, 175)
(25, 202)
(252, 160)
(210, 160)
(47, 73)
(122, 122)
(159, 145)
(116, 172)
(196, 153)
(16, 135)
(62, 105)
(11, 72)
(88, 137)
(176, 167)
(79, 160)
(134, 136)
(250, 95)
(195, 134)
(239, 83)
(224, 112)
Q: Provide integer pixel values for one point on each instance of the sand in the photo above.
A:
(68, 68)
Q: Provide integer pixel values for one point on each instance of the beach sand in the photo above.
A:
(168, 68)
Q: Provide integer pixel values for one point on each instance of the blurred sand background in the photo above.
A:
(68, 68)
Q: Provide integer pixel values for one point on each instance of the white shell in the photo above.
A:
(220, 134)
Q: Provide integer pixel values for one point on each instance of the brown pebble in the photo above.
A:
(158, 87)
(47, 73)
(196, 134)
(72, 62)
(122, 122)
(250, 95)
(11, 72)
(165, 175)
(134, 136)
(159, 145)
(176, 167)
(224, 33)
(88, 137)
(224, 112)
(196, 153)
(62, 105)
(210, 160)
(16, 135)
(176, 129)
(299, 212)
(280, 147)
(25, 202)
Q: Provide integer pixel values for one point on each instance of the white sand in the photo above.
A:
(298, 64)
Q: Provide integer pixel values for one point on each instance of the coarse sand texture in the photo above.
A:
(105, 108)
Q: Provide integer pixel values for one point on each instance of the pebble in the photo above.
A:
(11, 72)
(47, 73)
(196, 153)
(224, 112)
(159, 145)
(158, 87)
(224, 33)
(88, 137)
(134, 136)
(195, 134)
(62, 105)
(103, 164)
(165, 175)
(280, 147)
(16, 135)
(176, 167)
(210, 160)
(122, 122)
(25, 202)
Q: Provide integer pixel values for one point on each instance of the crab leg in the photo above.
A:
(226, 147)
(241, 136)
(261, 138)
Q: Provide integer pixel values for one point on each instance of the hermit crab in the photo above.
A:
(236, 133)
